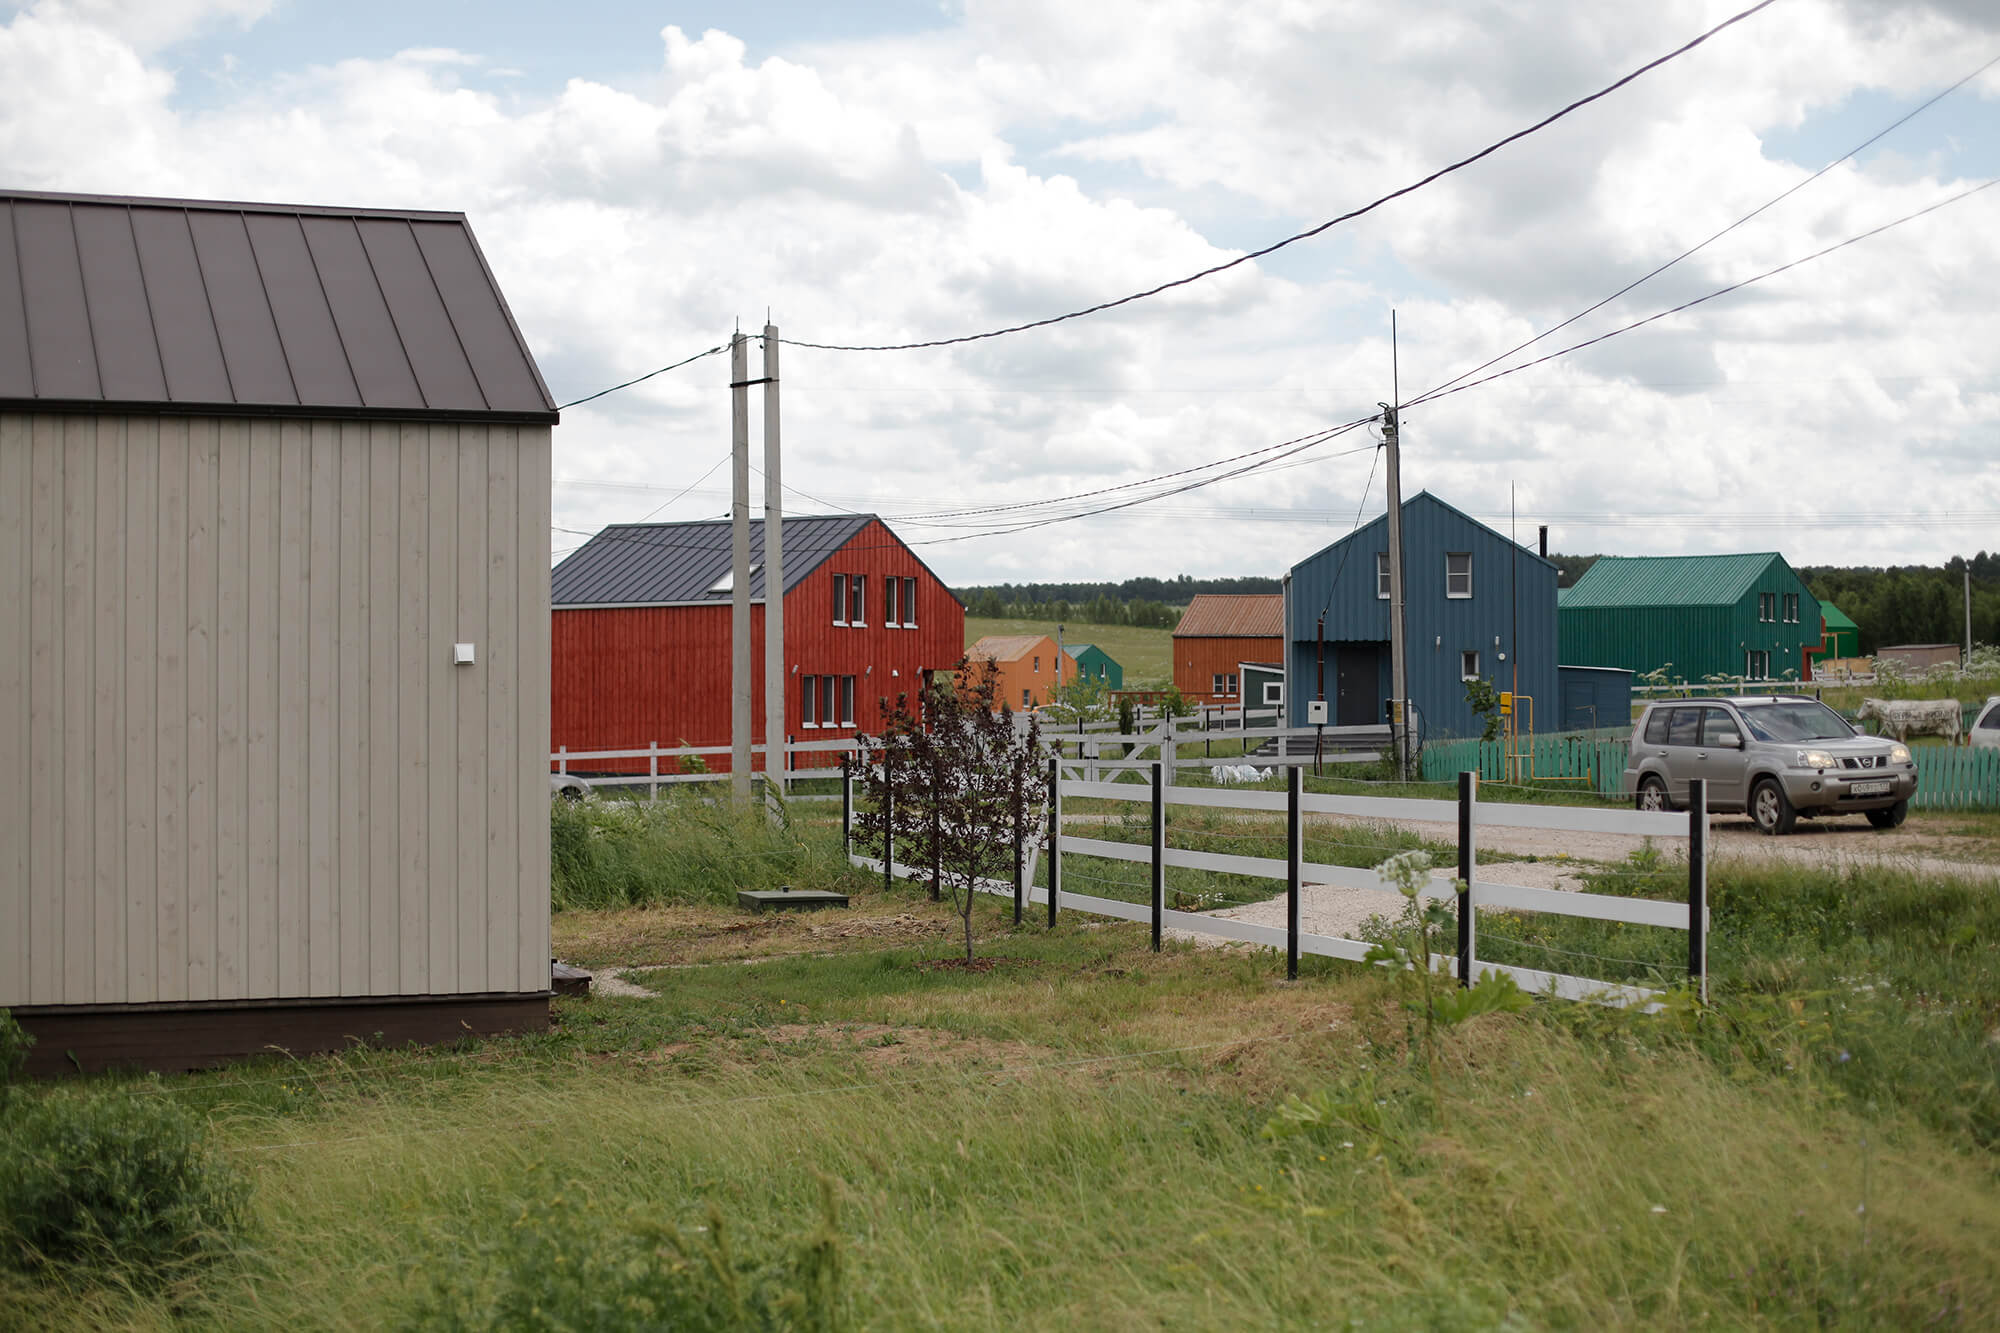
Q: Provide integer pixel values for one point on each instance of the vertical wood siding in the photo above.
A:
(1197, 661)
(626, 677)
(239, 762)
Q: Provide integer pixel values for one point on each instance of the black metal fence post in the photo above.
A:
(937, 834)
(1159, 850)
(1055, 836)
(1294, 867)
(846, 807)
(1468, 793)
(1020, 818)
(888, 819)
(1698, 885)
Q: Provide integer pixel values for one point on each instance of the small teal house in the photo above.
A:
(1475, 605)
(1093, 663)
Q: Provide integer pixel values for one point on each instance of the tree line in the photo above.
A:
(1146, 602)
(1913, 603)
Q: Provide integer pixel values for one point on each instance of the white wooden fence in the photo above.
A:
(1468, 813)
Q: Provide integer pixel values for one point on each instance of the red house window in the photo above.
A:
(840, 599)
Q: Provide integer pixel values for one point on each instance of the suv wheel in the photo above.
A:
(1652, 795)
(1893, 817)
(1769, 808)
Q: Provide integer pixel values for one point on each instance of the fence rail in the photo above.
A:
(1294, 871)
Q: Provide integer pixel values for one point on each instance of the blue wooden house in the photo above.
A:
(1476, 605)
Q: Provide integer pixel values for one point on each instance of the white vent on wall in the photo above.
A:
(462, 654)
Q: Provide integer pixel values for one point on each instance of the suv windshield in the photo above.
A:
(1800, 721)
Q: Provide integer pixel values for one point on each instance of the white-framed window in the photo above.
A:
(1767, 606)
(1791, 608)
(1382, 575)
(857, 600)
(1231, 682)
(808, 699)
(889, 603)
(909, 603)
(847, 701)
(1458, 574)
(1757, 664)
(1024, 698)
(840, 599)
(1038, 664)
(1215, 683)
(1468, 664)
(1102, 671)
(1274, 692)
(829, 706)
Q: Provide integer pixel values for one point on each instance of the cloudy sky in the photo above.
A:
(647, 176)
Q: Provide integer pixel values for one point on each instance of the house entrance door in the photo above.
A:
(1359, 685)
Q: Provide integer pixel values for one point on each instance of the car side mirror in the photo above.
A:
(1728, 740)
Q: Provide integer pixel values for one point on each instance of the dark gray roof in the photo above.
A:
(189, 306)
(646, 564)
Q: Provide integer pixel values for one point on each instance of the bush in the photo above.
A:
(563, 1268)
(14, 1044)
(113, 1183)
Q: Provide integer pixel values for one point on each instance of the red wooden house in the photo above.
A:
(641, 649)
(1218, 633)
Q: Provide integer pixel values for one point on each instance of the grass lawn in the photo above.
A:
(1085, 1134)
(1146, 654)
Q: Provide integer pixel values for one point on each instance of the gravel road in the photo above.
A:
(1326, 909)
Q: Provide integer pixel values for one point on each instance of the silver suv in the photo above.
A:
(1777, 757)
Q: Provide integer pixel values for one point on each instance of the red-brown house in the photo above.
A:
(1217, 634)
(641, 649)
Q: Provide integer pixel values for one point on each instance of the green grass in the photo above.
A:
(1146, 654)
(1074, 1140)
(1074, 1137)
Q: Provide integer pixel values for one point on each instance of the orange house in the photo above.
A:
(1216, 634)
(1029, 665)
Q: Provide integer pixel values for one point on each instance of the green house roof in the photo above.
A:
(1668, 580)
(1836, 619)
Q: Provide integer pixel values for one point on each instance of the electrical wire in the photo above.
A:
(1779, 198)
(1356, 527)
(1310, 232)
(685, 361)
(1946, 202)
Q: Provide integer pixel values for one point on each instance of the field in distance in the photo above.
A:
(1146, 654)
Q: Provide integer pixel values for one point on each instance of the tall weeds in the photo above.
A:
(682, 849)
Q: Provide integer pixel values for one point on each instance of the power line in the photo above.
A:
(1310, 232)
(1893, 125)
(1356, 527)
(685, 361)
(1435, 394)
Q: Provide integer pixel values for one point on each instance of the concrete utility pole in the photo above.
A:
(739, 568)
(1399, 685)
(774, 577)
(1968, 614)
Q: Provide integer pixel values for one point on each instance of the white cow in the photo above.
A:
(1900, 717)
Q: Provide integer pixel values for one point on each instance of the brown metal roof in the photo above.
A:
(111, 303)
(1221, 616)
(1005, 647)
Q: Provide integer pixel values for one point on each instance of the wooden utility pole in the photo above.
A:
(739, 568)
(1399, 731)
(1399, 681)
(774, 578)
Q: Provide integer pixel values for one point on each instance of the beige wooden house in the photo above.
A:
(274, 632)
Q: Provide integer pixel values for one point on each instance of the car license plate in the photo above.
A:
(1872, 788)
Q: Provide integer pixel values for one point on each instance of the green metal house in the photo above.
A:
(1696, 615)
(1093, 663)
(1843, 636)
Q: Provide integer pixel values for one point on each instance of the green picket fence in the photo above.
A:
(1951, 777)
(1948, 777)
(1576, 760)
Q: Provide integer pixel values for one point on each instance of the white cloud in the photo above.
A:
(1035, 158)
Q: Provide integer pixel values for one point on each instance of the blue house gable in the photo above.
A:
(1475, 604)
